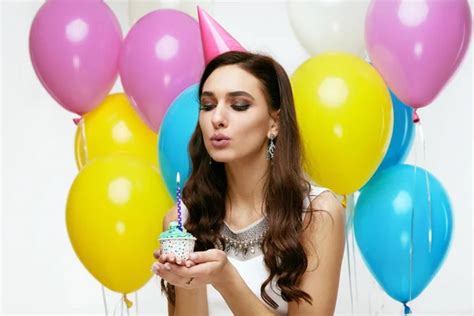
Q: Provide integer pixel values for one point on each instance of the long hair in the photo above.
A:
(205, 191)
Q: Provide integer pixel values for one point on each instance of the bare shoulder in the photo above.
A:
(171, 215)
(323, 238)
(327, 218)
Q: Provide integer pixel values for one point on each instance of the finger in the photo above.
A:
(170, 276)
(205, 256)
(181, 271)
(157, 253)
(189, 263)
(171, 258)
(173, 276)
(163, 258)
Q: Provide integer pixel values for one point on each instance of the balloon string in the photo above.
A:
(352, 208)
(105, 301)
(136, 303)
(416, 120)
(117, 304)
(348, 252)
(428, 189)
(84, 141)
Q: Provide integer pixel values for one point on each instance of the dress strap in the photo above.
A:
(315, 191)
(184, 212)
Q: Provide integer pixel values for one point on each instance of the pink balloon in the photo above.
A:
(74, 48)
(161, 56)
(215, 39)
(417, 45)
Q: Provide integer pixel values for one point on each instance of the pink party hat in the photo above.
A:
(215, 40)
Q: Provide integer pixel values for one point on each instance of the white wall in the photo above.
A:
(40, 271)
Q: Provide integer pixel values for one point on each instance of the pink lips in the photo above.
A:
(219, 140)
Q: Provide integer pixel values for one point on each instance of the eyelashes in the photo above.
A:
(237, 107)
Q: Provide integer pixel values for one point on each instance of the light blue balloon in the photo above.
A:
(383, 230)
(175, 133)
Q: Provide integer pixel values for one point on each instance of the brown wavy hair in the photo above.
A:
(205, 191)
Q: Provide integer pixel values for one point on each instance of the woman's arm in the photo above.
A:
(212, 267)
(324, 241)
(188, 301)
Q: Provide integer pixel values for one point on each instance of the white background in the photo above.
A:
(40, 271)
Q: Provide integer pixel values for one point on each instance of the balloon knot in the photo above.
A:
(416, 118)
(77, 120)
(344, 201)
(406, 309)
(127, 301)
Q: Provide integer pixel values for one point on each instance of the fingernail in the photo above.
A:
(167, 267)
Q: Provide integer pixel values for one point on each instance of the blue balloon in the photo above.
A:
(402, 134)
(175, 133)
(393, 200)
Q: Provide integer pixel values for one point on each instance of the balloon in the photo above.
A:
(114, 216)
(215, 39)
(138, 8)
(175, 133)
(383, 225)
(114, 127)
(322, 26)
(162, 55)
(74, 49)
(345, 117)
(403, 43)
(402, 135)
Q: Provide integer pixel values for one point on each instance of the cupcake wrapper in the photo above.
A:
(180, 247)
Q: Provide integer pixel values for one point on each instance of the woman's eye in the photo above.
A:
(206, 107)
(240, 107)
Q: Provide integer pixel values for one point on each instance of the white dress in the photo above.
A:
(252, 269)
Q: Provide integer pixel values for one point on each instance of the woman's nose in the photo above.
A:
(218, 117)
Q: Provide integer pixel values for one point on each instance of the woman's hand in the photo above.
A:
(203, 267)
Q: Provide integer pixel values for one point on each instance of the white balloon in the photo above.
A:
(329, 25)
(138, 8)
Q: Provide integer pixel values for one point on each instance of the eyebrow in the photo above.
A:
(229, 94)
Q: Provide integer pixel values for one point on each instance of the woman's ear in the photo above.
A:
(274, 122)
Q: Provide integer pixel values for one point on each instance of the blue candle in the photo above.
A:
(178, 201)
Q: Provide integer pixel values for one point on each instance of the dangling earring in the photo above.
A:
(210, 160)
(271, 148)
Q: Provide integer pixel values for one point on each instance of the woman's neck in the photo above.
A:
(245, 184)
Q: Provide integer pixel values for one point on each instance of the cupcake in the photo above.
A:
(178, 242)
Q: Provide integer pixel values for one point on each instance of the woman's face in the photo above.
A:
(234, 116)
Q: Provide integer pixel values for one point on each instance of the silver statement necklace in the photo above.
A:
(245, 243)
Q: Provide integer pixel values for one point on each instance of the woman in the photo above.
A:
(268, 241)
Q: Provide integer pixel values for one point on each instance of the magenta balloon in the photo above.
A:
(74, 48)
(417, 45)
(161, 56)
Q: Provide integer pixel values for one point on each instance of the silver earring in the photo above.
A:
(210, 160)
(271, 148)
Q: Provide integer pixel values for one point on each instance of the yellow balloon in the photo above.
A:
(344, 112)
(114, 127)
(114, 215)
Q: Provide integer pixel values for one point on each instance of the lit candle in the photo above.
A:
(178, 202)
